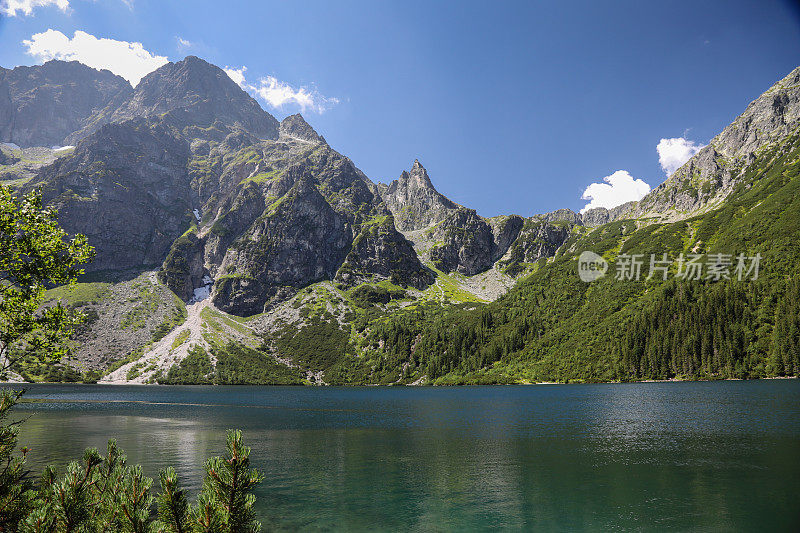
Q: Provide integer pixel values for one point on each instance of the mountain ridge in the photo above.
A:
(182, 181)
(42, 105)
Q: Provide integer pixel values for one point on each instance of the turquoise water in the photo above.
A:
(648, 456)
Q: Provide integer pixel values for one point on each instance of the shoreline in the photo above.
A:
(120, 383)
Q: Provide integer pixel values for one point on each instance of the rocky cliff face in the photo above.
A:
(539, 238)
(464, 242)
(126, 188)
(298, 240)
(7, 109)
(600, 215)
(43, 104)
(381, 252)
(713, 173)
(303, 214)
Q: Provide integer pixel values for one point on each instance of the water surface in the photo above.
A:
(647, 456)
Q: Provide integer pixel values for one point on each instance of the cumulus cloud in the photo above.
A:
(278, 94)
(619, 187)
(25, 7)
(127, 59)
(673, 153)
(237, 75)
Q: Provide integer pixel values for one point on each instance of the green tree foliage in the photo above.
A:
(236, 365)
(173, 507)
(226, 502)
(318, 344)
(16, 489)
(101, 493)
(34, 253)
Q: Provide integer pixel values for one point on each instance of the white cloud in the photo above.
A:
(673, 153)
(278, 94)
(619, 187)
(26, 7)
(237, 75)
(127, 59)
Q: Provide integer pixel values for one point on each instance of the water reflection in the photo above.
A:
(710, 455)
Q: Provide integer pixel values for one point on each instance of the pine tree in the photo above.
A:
(226, 496)
(173, 509)
(16, 490)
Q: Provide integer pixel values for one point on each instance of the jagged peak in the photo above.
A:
(414, 200)
(297, 127)
(417, 178)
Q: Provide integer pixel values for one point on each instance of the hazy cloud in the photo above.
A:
(25, 7)
(673, 153)
(127, 59)
(183, 44)
(278, 94)
(619, 188)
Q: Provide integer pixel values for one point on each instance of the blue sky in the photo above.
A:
(513, 107)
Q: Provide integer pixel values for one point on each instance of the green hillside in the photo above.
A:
(554, 327)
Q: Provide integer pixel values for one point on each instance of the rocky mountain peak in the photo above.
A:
(199, 98)
(418, 177)
(414, 201)
(295, 126)
(561, 215)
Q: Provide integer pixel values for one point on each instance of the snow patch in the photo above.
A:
(62, 148)
(197, 214)
(201, 293)
(12, 146)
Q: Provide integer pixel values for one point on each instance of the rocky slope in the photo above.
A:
(43, 104)
(453, 238)
(714, 172)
